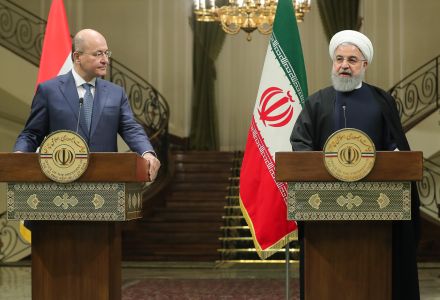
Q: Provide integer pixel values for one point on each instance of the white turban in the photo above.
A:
(353, 37)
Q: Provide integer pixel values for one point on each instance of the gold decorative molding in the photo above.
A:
(79, 201)
(135, 200)
(407, 201)
(315, 201)
(383, 201)
(33, 201)
(98, 201)
(350, 201)
(65, 201)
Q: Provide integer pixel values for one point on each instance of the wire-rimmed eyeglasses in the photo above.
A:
(98, 53)
(351, 60)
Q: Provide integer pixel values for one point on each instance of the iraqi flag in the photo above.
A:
(55, 57)
(57, 45)
(282, 91)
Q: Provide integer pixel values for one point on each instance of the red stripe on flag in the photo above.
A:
(262, 199)
(57, 42)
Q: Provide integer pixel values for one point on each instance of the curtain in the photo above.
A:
(208, 41)
(337, 15)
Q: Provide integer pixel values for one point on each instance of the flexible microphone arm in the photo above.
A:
(81, 101)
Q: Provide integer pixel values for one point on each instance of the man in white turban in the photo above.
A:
(352, 103)
(355, 38)
(358, 52)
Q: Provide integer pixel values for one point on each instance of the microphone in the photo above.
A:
(81, 101)
(344, 107)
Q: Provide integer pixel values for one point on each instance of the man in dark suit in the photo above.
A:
(105, 111)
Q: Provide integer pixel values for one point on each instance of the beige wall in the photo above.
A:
(16, 90)
(153, 38)
(404, 34)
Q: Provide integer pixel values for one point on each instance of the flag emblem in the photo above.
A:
(349, 154)
(276, 107)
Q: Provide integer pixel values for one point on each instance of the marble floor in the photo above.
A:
(15, 279)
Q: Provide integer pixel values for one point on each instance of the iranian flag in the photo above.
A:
(55, 57)
(282, 91)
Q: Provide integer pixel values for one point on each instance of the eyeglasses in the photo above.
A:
(352, 60)
(99, 54)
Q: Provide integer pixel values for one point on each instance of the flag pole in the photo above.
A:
(287, 272)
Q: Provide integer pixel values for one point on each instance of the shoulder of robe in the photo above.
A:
(322, 94)
(382, 93)
(321, 99)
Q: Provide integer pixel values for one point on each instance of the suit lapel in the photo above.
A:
(101, 96)
(69, 91)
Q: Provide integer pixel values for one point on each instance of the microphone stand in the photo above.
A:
(345, 117)
(81, 101)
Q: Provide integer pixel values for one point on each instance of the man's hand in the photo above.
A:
(154, 165)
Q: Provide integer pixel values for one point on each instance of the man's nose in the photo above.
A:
(345, 64)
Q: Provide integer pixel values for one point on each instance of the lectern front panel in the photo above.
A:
(77, 201)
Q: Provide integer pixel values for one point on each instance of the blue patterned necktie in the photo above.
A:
(88, 105)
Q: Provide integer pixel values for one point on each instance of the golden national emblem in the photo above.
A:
(64, 156)
(349, 154)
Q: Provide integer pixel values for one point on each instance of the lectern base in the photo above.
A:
(347, 260)
(76, 260)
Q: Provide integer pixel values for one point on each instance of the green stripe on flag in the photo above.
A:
(286, 45)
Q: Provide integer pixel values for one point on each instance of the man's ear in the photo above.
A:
(75, 57)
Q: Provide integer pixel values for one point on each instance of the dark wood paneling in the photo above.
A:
(76, 260)
(103, 167)
(309, 166)
(347, 260)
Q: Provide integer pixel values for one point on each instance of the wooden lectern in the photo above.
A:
(76, 238)
(347, 232)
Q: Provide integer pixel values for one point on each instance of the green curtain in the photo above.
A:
(208, 41)
(337, 15)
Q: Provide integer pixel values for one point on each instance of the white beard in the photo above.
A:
(347, 84)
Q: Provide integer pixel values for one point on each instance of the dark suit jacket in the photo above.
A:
(56, 105)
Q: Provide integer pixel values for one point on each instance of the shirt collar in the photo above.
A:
(79, 81)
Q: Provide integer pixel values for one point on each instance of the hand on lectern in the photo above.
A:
(154, 165)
